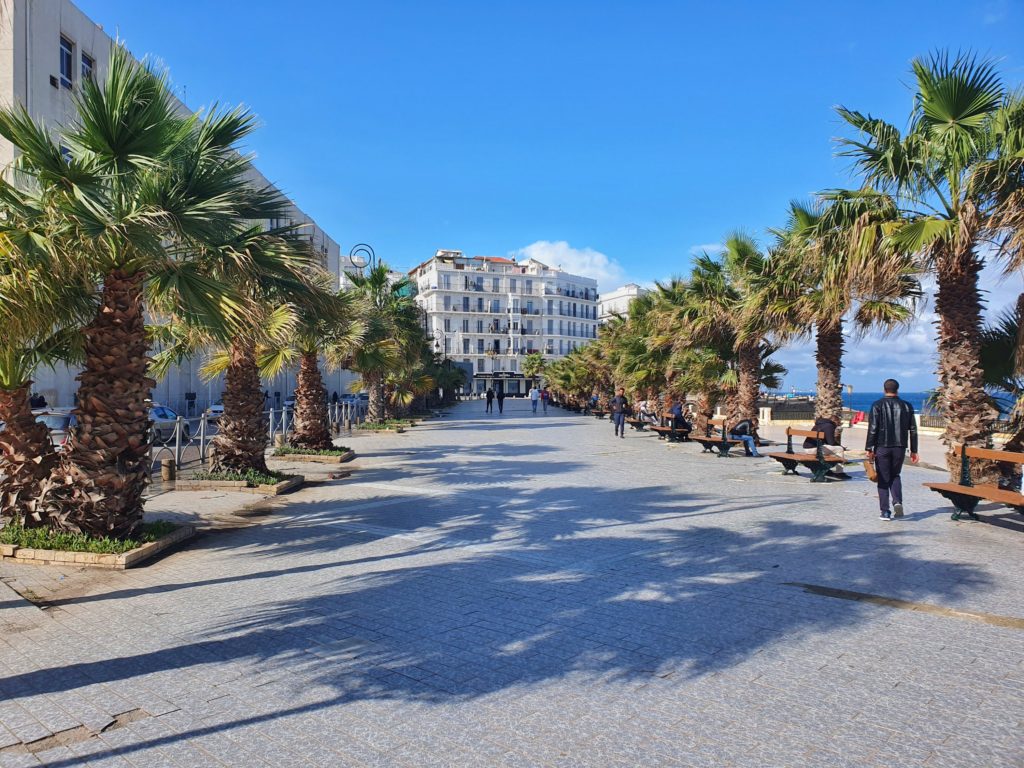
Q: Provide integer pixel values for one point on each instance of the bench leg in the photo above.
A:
(789, 466)
(819, 471)
(723, 450)
(963, 504)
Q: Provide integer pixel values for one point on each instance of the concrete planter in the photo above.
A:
(129, 559)
(395, 431)
(316, 459)
(239, 486)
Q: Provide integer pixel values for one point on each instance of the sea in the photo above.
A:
(861, 401)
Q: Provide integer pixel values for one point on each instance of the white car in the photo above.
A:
(164, 420)
(214, 412)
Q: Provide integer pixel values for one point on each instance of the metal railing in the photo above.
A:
(190, 440)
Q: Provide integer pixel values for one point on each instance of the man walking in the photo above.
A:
(619, 405)
(501, 400)
(544, 397)
(534, 397)
(490, 401)
(889, 425)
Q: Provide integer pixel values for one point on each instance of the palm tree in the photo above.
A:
(831, 258)
(140, 192)
(929, 173)
(392, 331)
(533, 366)
(40, 316)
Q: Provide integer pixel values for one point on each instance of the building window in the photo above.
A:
(480, 365)
(529, 286)
(479, 326)
(495, 284)
(479, 345)
(479, 304)
(88, 65)
(447, 325)
(447, 346)
(465, 303)
(67, 56)
(551, 327)
(465, 346)
(512, 285)
(465, 325)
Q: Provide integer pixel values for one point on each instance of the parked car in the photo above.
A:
(214, 412)
(61, 424)
(289, 402)
(164, 419)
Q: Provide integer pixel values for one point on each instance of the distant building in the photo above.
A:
(489, 312)
(47, 48)
(617, 302)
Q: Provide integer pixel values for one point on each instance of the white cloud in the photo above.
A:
(585, 262)
(709, 248)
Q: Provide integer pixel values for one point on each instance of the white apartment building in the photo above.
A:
(47, 47)
(489, 312)
(617, 302)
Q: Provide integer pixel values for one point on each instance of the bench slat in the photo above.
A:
(993, 455)
(805, 458)
(805, 433)
(990, 492)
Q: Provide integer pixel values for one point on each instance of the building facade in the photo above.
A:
(488, 313)
(617, 302)
(47, 48)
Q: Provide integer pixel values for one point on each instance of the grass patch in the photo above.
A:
(48, 538)
(251, 477)
(388, 424)
(287, 450)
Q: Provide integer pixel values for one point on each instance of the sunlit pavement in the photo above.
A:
(529, 590)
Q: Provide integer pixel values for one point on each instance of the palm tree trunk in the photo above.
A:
(705, 412)
(828, 402)
(749, 380)
(375, 406)
(97, 487)
(965, 404)
(26, 459)
(730, 404)
(312, 423)
(242, 438)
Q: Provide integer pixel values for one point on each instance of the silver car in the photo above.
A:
(164, 421)
(61, 424)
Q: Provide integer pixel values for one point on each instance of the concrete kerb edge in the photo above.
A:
(129, 559)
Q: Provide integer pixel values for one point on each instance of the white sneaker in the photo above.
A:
(897, 509)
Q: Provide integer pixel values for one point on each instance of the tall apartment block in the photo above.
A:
(488, 313)
(47, 49)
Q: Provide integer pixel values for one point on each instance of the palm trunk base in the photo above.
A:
(26, 460)
(312, 421)
(241, 443)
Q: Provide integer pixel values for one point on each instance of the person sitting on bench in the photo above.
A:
(830, 445)
(645, 413)
(746, 431)
(679, 420)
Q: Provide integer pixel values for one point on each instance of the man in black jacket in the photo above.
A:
(892, 420)
(619, 405)
(746, 430)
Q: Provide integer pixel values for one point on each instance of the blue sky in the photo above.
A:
(612, 137)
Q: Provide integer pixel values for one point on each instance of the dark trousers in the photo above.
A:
(889, 464)
(619, 422)
(490, 406)
(501, 405)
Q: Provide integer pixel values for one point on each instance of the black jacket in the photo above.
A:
(745, 427)
(828, 428)
(619, 404)
(891, 420)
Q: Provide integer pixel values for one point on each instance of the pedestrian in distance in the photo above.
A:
(891, 427)
(746, 431)
(534, 397)
(334, 398)
(501, 400)
(619, 405)
(544, 397)
(490, 401)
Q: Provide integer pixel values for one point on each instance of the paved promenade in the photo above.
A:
(525, 590)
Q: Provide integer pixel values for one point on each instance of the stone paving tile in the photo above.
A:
(523, 591)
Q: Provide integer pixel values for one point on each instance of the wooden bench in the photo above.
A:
(671, 434)
(668, 432)
(721, 444)
(600, 414)
(965, 495)
(638, 424)
(817, 462)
